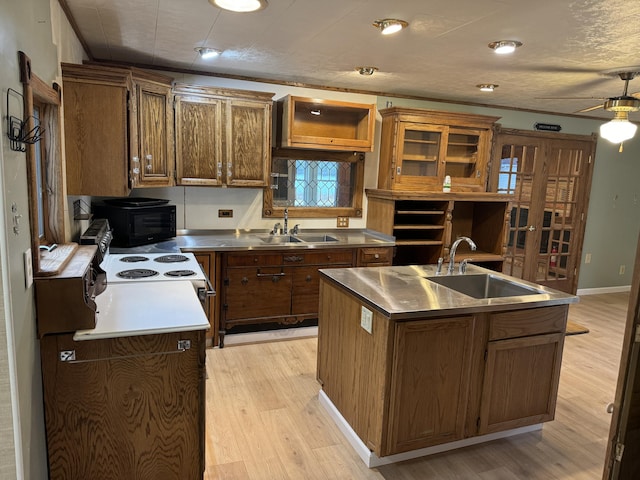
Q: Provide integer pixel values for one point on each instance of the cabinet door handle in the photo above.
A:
(148, 158)
(293, 258)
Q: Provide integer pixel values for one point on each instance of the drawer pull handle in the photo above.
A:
(308, 279)
(377, 255)
(259, 275)
(293, 258)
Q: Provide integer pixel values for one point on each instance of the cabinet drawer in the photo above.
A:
(247, 260)
(378, 255)
(532, 321)
(319, 257)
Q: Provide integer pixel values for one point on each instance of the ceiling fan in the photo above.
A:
(625, 102)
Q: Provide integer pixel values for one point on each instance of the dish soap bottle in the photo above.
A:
(446, 186)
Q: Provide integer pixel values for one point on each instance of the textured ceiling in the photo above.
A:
(570, 48)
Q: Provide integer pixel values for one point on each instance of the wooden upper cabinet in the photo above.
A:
(153, 133)
(96, 130)
(419, 148)
(223, 136)
(325, 124)
(118, 129)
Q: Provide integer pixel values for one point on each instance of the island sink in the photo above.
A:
(483, 286)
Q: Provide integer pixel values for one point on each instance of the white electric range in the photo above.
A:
(153, 267)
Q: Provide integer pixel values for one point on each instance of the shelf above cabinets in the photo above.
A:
(325, 124)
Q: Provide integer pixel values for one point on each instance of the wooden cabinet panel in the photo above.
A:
(96, 133)
(256, 292)
(249, 143)
(130, 407)
(118, 129)
(429, 390)
(419, 147)
(155, 144)
(223, 136)
(198, 140)
(521, 382)
(305, 290)
(523, 323)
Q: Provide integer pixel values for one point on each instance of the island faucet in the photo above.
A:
(454, 247)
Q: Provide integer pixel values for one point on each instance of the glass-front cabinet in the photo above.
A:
(419, 148)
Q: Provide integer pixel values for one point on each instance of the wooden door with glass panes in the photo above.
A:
(550, 178)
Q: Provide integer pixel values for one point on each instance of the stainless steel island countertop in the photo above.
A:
(405, 292)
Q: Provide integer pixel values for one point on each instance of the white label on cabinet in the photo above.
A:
(366, 319)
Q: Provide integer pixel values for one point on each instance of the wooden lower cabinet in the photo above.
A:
(274, 286)
(428, 405)
(129, 407)
(421, 382)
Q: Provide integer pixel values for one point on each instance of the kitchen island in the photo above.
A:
(410, 367)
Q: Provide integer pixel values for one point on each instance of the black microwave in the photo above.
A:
(137, 221)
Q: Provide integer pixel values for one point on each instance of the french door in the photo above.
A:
(549, 178)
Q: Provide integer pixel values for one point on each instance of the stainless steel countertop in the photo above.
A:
(238, 240)
(403, 292)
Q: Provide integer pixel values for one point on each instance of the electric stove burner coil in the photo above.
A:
(137, 273)
(171, 259)
(180, 273)
(134, 259)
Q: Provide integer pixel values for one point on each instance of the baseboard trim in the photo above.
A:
(595, 291)
(270, 335)
(371, 460)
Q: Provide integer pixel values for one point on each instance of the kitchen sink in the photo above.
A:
(279, 239)
(484, 286)
(314, 237)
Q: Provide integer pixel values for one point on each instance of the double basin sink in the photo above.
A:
(484, 286)
(298, 238)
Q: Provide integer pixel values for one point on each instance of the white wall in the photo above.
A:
(35, 27)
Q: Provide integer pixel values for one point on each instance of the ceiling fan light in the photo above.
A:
(618, 130)
(503, 47)
(242, 6)
(389, 26)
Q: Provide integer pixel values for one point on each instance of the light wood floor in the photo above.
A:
(264, 420)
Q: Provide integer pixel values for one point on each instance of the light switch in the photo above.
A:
(366, 319)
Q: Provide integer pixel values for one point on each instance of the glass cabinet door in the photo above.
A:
(462, 154)
(420, 152)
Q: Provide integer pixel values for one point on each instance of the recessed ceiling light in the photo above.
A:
(505, 46)
(242, 6)
(366, 70)
(207, 53)
(390, 25)
(487, 87)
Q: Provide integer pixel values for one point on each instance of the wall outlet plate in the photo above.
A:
(343, 221)
(225, 213)
(366, 319)
(28, 269)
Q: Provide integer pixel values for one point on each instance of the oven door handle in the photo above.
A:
(205, 293)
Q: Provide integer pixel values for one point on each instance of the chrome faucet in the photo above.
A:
(276, 229)
(285, 229)
(454, 247)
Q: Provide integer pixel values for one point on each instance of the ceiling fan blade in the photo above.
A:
(590, 109)
(570, 98)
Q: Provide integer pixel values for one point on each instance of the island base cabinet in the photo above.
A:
(431, 368)
(126, 408)
(521, 382)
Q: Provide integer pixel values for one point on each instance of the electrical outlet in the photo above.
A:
(343, 221)
(28, 269)
(225, 213)
(622, 268)
(587, 258)
(366, 319)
